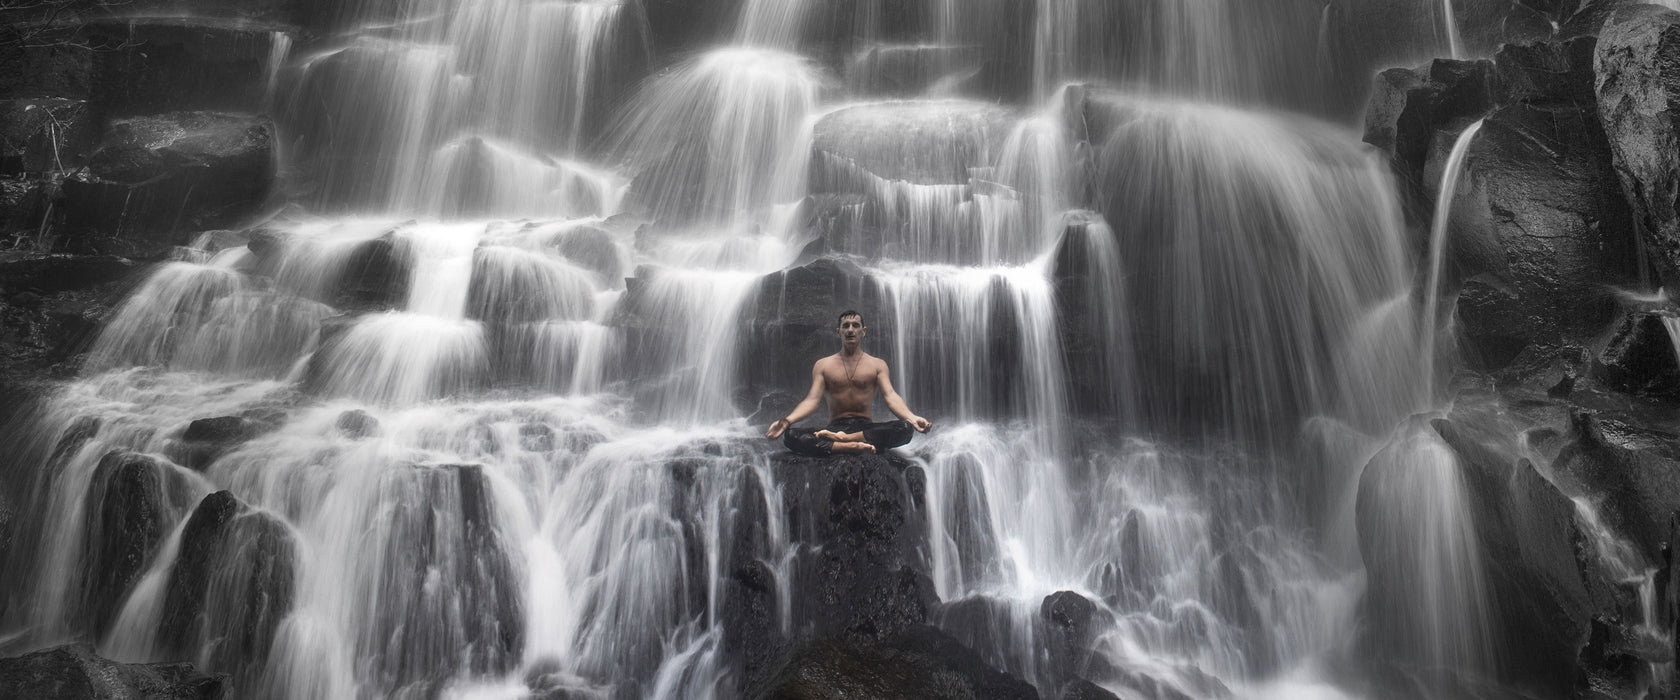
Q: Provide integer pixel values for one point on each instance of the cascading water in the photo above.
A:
(486, 381)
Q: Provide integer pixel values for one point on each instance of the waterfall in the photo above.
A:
(469, 420)
(1438, 239)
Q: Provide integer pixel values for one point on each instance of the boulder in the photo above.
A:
(443, 528)
(151, 64)
(207, 439)
(1640, 356)
(1546, 71)
(1638, 66)
(233, 582)
(1539, 227)
(793, 320)
(919, 662)
(859, 527)
(1543, 584)
(919, 142)
(74, 671)
(168, 176)
(376, 277)
(1409, 105)
(1632, 472)
(44, 134)
(131, 505)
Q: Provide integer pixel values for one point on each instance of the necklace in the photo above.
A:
(852, 369)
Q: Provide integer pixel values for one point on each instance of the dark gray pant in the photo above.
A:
(884, 436)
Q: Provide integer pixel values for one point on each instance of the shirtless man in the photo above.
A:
(849, 378)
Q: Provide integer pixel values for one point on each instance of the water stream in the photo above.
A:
(494, 361)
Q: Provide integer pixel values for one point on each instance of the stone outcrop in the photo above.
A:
(1638, 66)
(233, 581)
(920, 662)
(76, 672)
(168, 176)
(861, 599)
(1408, 105)
(148, 65)
(133, 502)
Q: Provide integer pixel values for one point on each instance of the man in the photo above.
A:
(850, 379)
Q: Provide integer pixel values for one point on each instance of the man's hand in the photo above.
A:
(921, 424)
(777, 428)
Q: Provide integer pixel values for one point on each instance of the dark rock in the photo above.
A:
(233, 582)
(920, 662)
(1638, 67)
(376, 276)
(678, 26)
(207, 439)
(595, 250)
(153, 64)
(44, 134)
(443, 525)
(49, 273)
(76, 672)
(1639, 358)
(1409, 105)
(163, 177)
(1539, 223)
(1081, 689)
(792, 325)
(131, 506)
(1614, 664)
(1091, 315)
(1546, 71)
(1543, 588)
(357, 424)
(1632, 472)
(993, 627)
(909, 70)
(1072, 625)
(859, 529)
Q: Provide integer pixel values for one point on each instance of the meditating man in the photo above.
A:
(850, 379)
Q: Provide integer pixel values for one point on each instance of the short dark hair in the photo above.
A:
(844, 314)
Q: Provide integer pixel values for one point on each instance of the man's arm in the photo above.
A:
(813, 398)
(895, 403)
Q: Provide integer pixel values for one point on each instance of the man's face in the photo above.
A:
(851, 331)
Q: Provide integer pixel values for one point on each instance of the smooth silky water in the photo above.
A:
(525, 462)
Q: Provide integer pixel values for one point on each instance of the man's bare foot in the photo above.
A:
(839, 437)
(853, 447)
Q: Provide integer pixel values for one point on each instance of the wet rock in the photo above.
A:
(1546, 71)
(152, 64)
(859, 527)
(1409, 105)
(1633, 473)
(44, 134)
(1638, 89)
(1538, 223)
(910, 69)
(164, 177)
(446, 568)
(792, 324)
(595, 250)
(1081, 689)
(920, 662)
(357, 424)
(1543, 589)
(992, 627)
(207, 439)
(131, 506)
(232, 584)
(676, 26)
(751, 619)
(923, 143)
(1639, 357)
(74, 671)
(376, 276)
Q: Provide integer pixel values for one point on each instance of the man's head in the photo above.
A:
(850, 328)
